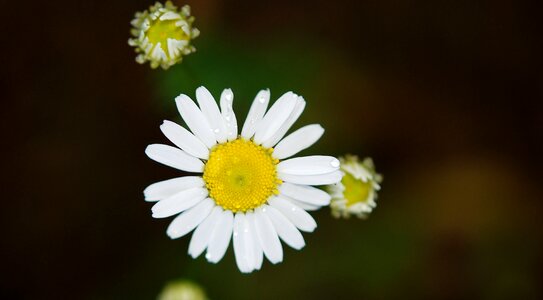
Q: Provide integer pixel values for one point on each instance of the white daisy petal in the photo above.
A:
(240, 251)
(305, 206)
(280, 133)
(228, 115)
(321, 179)
(304, 193)
(178, 202)
(219, 240)
(308, 165)
(298, 140)
(275, 117)
(262, 219)
(267, 236)
(195, 120)
(185, 140)
(285, 229)
(299, 217)
(174, 157)
(256, 112)
(202, 235)
(249, 240)
(211, 111)
(166, 188)
(188, 220)
(257, 248)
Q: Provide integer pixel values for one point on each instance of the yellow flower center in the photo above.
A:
(241, 175)
(356, 190)
(160, 31)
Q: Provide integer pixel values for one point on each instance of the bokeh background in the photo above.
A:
(446, 96)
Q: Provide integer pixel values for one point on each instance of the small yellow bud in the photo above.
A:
(182, 290)
(357, 191)
(162, 34)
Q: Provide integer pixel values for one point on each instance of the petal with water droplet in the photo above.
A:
(211, 112)
(275, 117)
(256, 112)
(195, 120)
(229, 117)
(308, 165)
(185, 140)
(280, 133)
(320, 179)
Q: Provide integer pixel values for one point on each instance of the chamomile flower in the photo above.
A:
(162, 35)
(249, 191)
(357, 191)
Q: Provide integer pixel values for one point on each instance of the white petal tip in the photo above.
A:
(146, 196)
(147, 149)
(172, 235)
(181, 98)
(311, 228)
(298, 247)
(276, 260)
(213, 260)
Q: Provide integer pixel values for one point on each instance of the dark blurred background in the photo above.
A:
(446, 96)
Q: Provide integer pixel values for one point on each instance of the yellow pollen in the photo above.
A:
(241, 175)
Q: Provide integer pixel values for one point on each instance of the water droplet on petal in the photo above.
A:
(334, 163)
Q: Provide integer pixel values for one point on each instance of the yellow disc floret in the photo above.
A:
(241, 175)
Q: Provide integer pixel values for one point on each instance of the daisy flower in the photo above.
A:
(250, 191)
(357, 191)
(162, 34)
